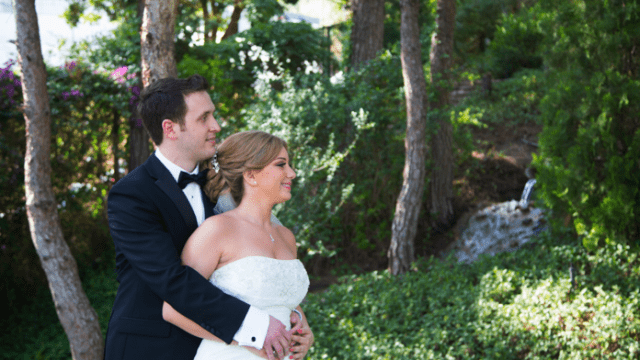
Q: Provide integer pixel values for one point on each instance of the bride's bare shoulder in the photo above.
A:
(214, 230)
(209, 244)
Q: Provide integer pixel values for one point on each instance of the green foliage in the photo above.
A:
(32, 328)
(83, 105)
(512, 306)
(232, 65)
(513, 101)
(590, 146)
(516, 43)
(476, 22)
(338, 131)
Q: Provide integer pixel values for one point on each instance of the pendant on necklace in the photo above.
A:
(272, 240)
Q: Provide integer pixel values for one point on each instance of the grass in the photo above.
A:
(516, 305)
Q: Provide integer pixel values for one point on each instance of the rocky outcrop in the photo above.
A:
(497, 228)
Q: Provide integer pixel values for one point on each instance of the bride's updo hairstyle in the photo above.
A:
(244, 151)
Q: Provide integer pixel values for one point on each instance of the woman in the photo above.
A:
(242, 251)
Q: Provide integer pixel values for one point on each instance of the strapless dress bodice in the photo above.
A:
(273, 285)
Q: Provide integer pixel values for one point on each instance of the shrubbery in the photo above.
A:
(516, 43)
(83, 103)
(590, 145)
(513, 306)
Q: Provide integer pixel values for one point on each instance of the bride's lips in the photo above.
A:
(287, 186)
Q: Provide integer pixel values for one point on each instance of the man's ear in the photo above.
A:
(250, 177)
(169, 129)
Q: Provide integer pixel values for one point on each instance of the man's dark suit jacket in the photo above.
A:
(150, 221)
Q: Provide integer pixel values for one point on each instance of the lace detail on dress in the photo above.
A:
(275, 286)
(264, 282)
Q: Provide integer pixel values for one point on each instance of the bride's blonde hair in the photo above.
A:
(241, 152)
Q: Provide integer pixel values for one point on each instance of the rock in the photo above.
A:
(497, 228)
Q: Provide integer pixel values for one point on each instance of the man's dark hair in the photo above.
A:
(164, 99)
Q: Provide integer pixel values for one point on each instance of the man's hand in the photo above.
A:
(277, 339)
(301, 337)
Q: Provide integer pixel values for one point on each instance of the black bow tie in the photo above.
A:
(186, 178)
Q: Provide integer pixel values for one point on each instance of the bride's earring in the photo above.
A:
(214, 162)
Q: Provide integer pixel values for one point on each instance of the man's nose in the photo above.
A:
(215, 127)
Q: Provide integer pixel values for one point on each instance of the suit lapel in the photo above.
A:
(208, 205)
(168, 185)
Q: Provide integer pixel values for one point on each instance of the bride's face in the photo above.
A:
(275, 180)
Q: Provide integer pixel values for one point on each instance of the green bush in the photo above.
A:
(590, 145)
(516, 305)
(32, 328)
(82, 163)
(516, 43)
(513, 101)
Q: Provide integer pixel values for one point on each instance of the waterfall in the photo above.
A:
(526, 193)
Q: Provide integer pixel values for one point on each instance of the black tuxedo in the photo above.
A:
(150, 220)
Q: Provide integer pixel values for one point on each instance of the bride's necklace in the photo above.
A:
(270, 236)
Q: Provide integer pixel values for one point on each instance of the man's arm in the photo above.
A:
(140, 235)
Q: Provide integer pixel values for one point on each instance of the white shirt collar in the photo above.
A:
(174, 169)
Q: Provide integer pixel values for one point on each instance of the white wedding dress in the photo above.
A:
(275, 286)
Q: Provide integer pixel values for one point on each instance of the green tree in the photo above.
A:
(590, 145)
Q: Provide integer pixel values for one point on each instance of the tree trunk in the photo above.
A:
(367, 33)
(206, 16)
(441, 192)
(115, 142)
(405, 221)
(157, 40)
(76, 315)
(232, 29)
(138, 136)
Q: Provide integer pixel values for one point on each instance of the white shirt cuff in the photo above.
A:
(254, 328)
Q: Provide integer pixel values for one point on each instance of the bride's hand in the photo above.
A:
(301, 341)
(301, 337)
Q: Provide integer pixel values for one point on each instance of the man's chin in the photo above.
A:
(208, 155)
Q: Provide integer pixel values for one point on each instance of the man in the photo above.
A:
(152, 212)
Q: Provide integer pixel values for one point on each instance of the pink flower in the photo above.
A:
(119, 74)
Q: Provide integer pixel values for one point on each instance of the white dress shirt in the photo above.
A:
(253, 330)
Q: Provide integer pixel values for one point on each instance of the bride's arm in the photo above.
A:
(171, 315)
(202, 254)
